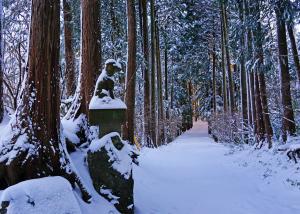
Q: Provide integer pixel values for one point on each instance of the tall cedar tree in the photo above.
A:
(251, 88)
(290, 28)
(91, 51)
(153, 82)
(161, 128)
(145, 48)
(288, 122)
(69, 52)
(166, 75)
(37, 123)
(228, 63)
(224, 81)
(1, 64)
(131, 72)
(243, 80)
(259, 57)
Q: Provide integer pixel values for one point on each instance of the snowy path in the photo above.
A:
(193, 175)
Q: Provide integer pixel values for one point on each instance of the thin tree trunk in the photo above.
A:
(172, 91)
(253, 102)
(153, 82)
(161, 129)
(259, 56)
(131, 72)
(290, 28)
(1, 64)
(166, 77)
(113, 27)
(260, 128)
(252, 108)
(144, 30)
(214, 102)
(223, 65)
(264, 102)
(243, 79)
(250, 119)
(288, 121)
(69, 53)
(228, 63)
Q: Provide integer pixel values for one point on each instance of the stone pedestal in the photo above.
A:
(108, 114)
(108, 120)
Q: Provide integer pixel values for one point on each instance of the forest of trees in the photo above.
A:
(234, 63)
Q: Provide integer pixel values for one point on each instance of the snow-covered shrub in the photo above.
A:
(227, 128)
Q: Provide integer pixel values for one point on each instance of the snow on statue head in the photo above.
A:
(105, 83)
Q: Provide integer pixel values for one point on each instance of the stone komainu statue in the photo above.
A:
(106, 83)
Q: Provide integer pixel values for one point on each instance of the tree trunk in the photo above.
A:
(166, 77)
(131, 72)
(145, 47)
(214, 102)
(253, 102)
(265, 109)
(259, 57)
(251, 91)
(69, 53)
(250, 119)
(290, 28)
(1, 64)
(229, 71)
(243, 79)
(260, 127)
(91, 51)
(288, 122)
(161, 128)
(36, 133)
(153, 82)
(223, 65)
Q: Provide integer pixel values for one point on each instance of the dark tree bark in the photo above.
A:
(251, 94)
(260, 127)
(250, 119)
(290, 28)
(214, 65)
(228, 63)
(131, 72)
(288, 121)
(166, 76)
(69, 53)
(145, 47)
(91, 51)
(224, 85)
(1, 65)
(253, 105)
(259, 57)
(161, 129)
(243, 79)
(153, 74)
(36, 137)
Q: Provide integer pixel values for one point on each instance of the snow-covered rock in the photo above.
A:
(110, 164)
(49, 195)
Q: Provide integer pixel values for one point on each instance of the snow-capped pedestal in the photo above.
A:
(110, 165)
(106, 111)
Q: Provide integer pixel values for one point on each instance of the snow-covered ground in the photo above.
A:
(191, 175)
(195, 175)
